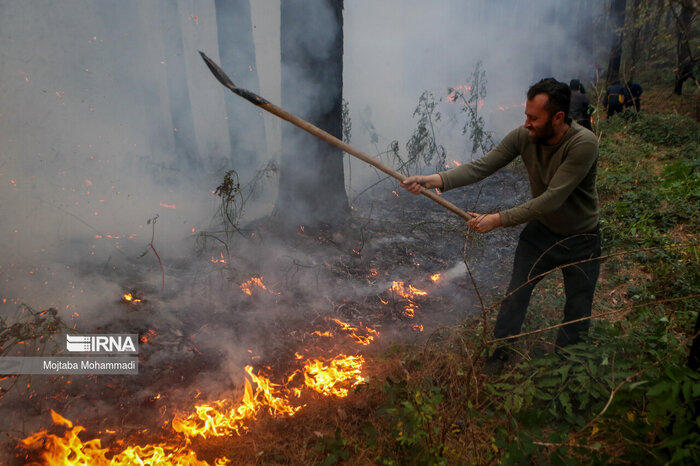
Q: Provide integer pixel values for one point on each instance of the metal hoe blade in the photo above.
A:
(218, 72)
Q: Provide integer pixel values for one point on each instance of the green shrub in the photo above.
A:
(665, 130)
(413, 417)
(662, 130)
(332, 449)
(624, 393)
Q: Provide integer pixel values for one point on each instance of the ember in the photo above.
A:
(220, 260)
(130, 298)
(145, 338)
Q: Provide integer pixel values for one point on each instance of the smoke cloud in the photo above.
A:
(114, 135)
(395, 50)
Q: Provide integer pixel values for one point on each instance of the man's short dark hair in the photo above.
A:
(559, 95)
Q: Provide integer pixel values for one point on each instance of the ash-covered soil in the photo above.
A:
(199, 333)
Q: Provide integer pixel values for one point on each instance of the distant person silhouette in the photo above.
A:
(579, 110)
(634, 91)
(615, 98)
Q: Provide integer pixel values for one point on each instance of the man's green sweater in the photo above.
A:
(562, 179)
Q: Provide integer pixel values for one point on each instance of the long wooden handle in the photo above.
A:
(345, 147)
(321, 134)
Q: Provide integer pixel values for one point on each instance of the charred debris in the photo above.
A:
(267, 297)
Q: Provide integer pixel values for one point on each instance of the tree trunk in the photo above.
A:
(544, 53)
(685, 63)
(652, 28)
(617, 20)
(180, 105)
(312, 181)
(585, 33)
(237, 52)
(634, 39)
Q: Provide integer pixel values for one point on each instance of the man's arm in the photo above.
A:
(475, 171)
(469, 173)
(504, 153)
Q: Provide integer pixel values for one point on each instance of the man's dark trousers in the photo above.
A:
(614, 107)
(540, 250)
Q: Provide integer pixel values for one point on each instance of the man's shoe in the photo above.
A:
(493, 366)
(496, 362)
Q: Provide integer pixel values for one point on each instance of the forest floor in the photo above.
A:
(369, 293)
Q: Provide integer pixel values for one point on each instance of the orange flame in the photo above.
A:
(361, 339)
(70, 449)
(247, 287)
(129, 298)
(220, 260)
(216, 420)
(325, 379)
(147, 336)
(457, 91)
(408, 293)
(219, 419)
(435, 277)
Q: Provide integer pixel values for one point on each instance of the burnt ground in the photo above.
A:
(199, 333)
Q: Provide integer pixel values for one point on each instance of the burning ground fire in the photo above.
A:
(351, 332)
(408, 293)
(330, 377)
(255, 283)
(71, 450)
(216, 419)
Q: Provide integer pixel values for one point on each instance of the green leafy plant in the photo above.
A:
(472, 96)
(626, 386)
(423, 144)
(412, 416)
(332, 449)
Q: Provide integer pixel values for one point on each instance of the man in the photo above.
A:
(634, 91)
(580, 105)
(562, 216)
(615, 97)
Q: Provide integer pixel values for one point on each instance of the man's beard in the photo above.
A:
(543, 134)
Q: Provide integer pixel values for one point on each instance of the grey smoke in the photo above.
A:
(89, 151)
